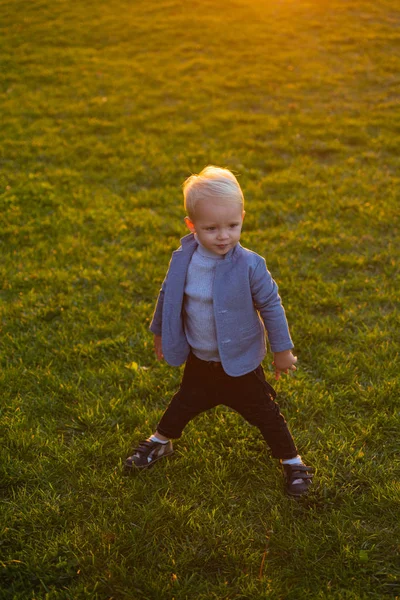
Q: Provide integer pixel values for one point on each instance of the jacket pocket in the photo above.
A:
(255, 328)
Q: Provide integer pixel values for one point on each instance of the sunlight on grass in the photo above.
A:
(105, 112)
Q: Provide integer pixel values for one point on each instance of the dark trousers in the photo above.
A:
(205, 385)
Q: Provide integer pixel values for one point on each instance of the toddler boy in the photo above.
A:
(215, 304)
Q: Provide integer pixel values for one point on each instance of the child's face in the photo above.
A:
(218, 225)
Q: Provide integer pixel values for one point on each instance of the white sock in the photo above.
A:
(153, 438)
(292, 461)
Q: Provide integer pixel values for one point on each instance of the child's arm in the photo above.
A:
(267, 301)
(156, 323)
(156, 326)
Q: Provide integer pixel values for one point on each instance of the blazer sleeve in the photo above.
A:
(268, 303)
(156, 322)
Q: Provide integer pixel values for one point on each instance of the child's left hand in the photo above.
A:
(284, 362)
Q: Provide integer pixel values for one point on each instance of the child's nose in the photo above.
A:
(223, 234)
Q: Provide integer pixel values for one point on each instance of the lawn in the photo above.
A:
(106, 107)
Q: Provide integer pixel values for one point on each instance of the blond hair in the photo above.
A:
(212, 183)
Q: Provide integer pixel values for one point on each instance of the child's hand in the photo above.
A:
(158, 347)
(283, 362)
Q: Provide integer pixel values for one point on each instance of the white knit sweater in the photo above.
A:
(199, 321)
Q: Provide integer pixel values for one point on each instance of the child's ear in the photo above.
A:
(190, 225)
(243, 213)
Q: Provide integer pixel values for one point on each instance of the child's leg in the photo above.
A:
(253, 397)
(195, 395)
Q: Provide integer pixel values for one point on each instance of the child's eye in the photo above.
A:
(234, 225)
(210, 228)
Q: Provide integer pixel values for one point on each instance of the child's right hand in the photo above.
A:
(158, 347)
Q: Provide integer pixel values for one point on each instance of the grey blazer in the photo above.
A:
(246, 303)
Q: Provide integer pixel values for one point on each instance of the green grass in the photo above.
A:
(106, 108)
